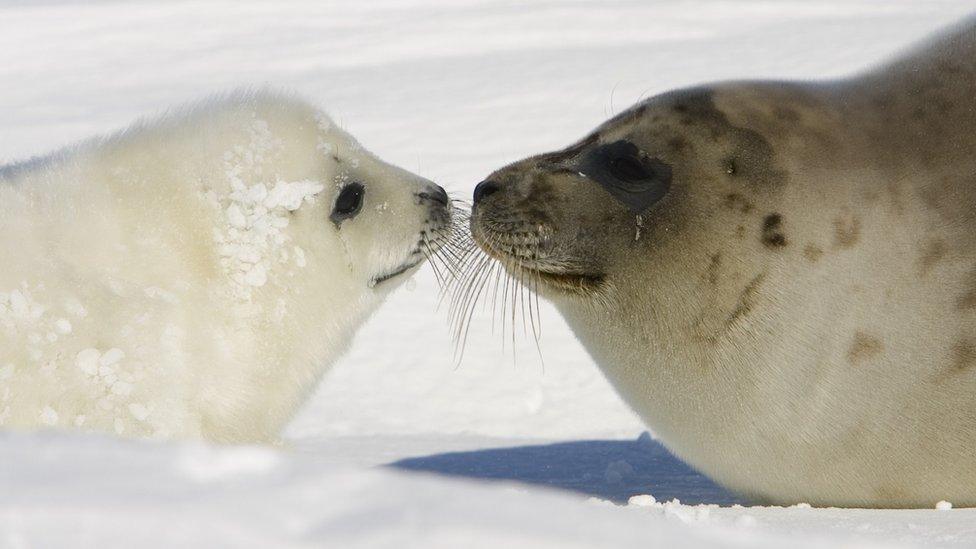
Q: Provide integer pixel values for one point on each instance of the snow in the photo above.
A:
(400, 446)
(57, 494)
(255, 214)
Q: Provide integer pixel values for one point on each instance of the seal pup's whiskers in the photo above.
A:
(502, 285)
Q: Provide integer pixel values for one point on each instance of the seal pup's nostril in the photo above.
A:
(485, 188)
(435, 193)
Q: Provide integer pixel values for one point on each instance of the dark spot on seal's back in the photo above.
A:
(737, 202)
(931, 255)
(812, 253)
(772, 237)
(963, 356)
(863, 347)
(746, 302)
(847, 231)
(713, 266)
(775, 240)
(968, 299)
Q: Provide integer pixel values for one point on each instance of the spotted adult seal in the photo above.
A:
(779, 277)
(195, 275)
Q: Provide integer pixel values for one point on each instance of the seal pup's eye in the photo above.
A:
(348, 203)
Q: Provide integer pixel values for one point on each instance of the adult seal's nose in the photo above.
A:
(484, 189)
(435, 193)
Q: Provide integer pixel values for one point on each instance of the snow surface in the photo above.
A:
(506, 448)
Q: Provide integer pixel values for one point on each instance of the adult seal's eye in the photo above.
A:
(628, 169)
(348, 203)
(632, 177)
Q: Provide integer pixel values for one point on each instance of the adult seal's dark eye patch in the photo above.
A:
(629, 175)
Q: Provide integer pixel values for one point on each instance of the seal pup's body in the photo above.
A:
(780, 278)
(193, 276)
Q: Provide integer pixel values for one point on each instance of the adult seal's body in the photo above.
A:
(780, 278)
(194, 276)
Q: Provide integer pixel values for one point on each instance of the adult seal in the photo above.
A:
(779, 277)
(195, 275)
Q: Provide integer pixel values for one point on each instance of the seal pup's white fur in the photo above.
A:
(183, 279)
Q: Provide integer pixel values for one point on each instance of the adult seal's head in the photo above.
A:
(646, 180)
(778, 277)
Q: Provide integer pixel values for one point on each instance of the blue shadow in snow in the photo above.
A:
(612, 470)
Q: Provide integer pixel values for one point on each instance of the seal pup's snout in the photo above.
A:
(438, 203)
(434, 193)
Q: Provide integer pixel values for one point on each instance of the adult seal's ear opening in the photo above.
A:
(796, 317)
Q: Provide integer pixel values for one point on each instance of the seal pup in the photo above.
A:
(194, 276)
(779, 277)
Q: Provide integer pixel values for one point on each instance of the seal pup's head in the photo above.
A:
(359, 225)
(387, 219)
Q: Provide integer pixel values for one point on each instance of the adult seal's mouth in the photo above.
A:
(524, 260)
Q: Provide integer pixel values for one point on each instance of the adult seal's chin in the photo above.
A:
(528, 250)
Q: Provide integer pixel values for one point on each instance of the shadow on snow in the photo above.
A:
(612, 470)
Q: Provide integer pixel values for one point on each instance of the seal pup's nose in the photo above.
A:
(485, 188)
(435, 193)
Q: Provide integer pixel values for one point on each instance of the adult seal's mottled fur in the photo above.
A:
(779, 277)
(194, 276)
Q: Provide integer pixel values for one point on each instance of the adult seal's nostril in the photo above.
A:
(435, 193)
(485, 189)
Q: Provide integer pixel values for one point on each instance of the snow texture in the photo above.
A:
(506, 449)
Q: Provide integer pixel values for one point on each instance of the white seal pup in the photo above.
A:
(780, 278)
(194, 276)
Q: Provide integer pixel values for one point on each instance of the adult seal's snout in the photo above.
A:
(485, 189)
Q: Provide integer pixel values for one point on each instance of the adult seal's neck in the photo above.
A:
(911, 104)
